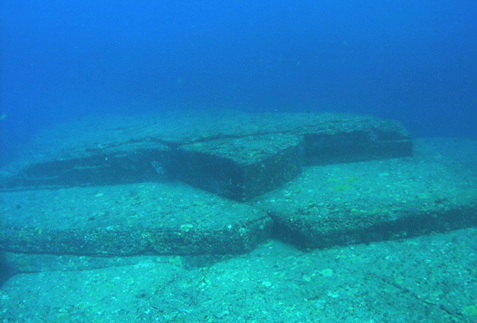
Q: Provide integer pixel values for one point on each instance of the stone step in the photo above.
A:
(325, 206)
(133, 219)
(236, 155)
(342, 204)
(241, 168)
(432, 278)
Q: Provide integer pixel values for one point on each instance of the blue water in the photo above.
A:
(414, 61)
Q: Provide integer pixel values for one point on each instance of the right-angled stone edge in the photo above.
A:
(356, 139)
(241, 168)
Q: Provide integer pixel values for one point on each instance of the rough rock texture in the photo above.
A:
(350, 203)
(232, 154)
(147, 218)
(423, 279)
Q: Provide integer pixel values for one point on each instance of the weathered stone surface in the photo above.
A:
(16, 263)
(355, 139)
(325, 206)
(94, 167)
(378, 200)
(119, 150)
(241, 168)
(155, 218)
(424, 279)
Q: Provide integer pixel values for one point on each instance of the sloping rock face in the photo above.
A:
(236, 155)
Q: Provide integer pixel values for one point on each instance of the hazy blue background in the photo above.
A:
(415, 61)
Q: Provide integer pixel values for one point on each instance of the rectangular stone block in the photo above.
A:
(241, 168)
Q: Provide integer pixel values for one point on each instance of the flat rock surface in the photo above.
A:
(436, 190)
(325, 206)
(241, 168)
(79, 238)
(112, 150)
(107, 134)
(183, 128)
(170, 218)
(424, 279)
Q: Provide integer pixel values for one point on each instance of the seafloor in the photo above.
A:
(379, 236)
